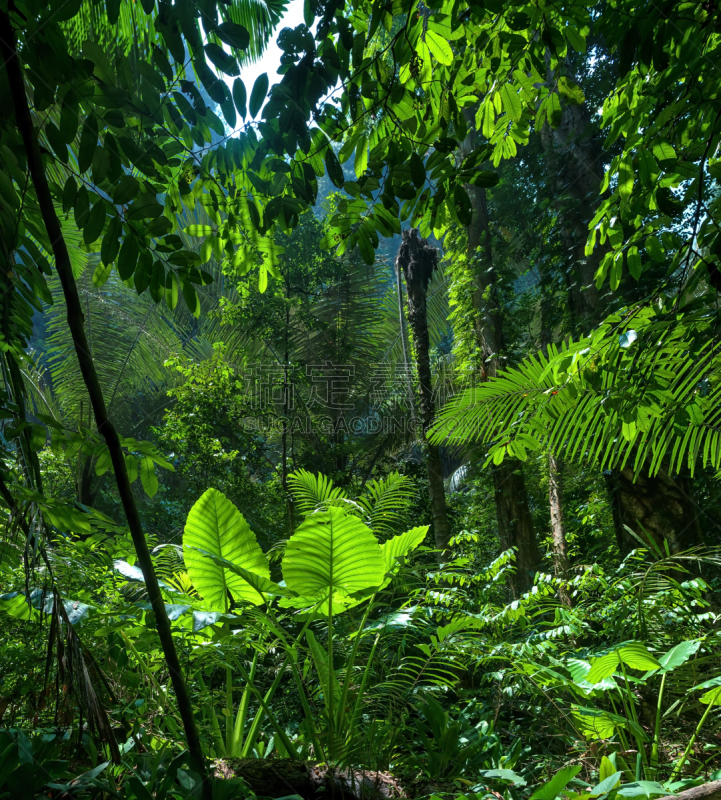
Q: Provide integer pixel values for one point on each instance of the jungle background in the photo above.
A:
(359, 426)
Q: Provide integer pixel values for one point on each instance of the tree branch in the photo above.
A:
(8, 49)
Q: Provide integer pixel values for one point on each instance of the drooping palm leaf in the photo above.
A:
(130, 337)
(642, 389)
(259, 17)
(136, 29)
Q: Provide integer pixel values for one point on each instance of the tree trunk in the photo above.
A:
(555, 495)
(659, 508)
(558, 528)
(8, 50)
(575, 169)
(417, 259)
(276, 777)
(88, 488)
(404, 345)
(515, 523)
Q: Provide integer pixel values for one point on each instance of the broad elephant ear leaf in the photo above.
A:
(317, 607)
(633, 654)
(332, 551)
(215, 525)
(258, 583)
(399, 547)
(595, 723)
(678, 655)
(551, 790)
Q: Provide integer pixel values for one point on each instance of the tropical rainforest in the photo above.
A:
(360, 418)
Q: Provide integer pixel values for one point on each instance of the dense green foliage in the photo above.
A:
(366, 418)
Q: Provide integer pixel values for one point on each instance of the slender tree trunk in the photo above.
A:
(417, 259)
(555, 495)
(404, 344)
(558, 528)
(515, 522)
(8, 49)
(575, 170)
(86, 491)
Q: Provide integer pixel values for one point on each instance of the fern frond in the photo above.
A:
(313, 492)
(385, 501)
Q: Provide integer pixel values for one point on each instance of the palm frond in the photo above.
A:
(386, 501)
(78, 670)
(437, 309)
(40, 398)
(647, 394)
(130, 336)
(91, 21)
(313, 492)
(135, 29)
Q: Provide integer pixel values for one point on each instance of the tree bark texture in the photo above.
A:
(8, 49)
(659, 508)
(515, 523)
(707, 791)
(417, 260)
(555, 495)
(558, 528)
(404, 345)
(280, 777)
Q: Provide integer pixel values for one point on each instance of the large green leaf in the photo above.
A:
(595, 723)
(399, 546)
(633, 655)
(318, 604)
(607, 785)
(258, 583)
(439, 47)
(579, 670)
(678, 655)
(16, 605)
(331, 551)
(215, 525)
(551, 790)
(712, 697)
